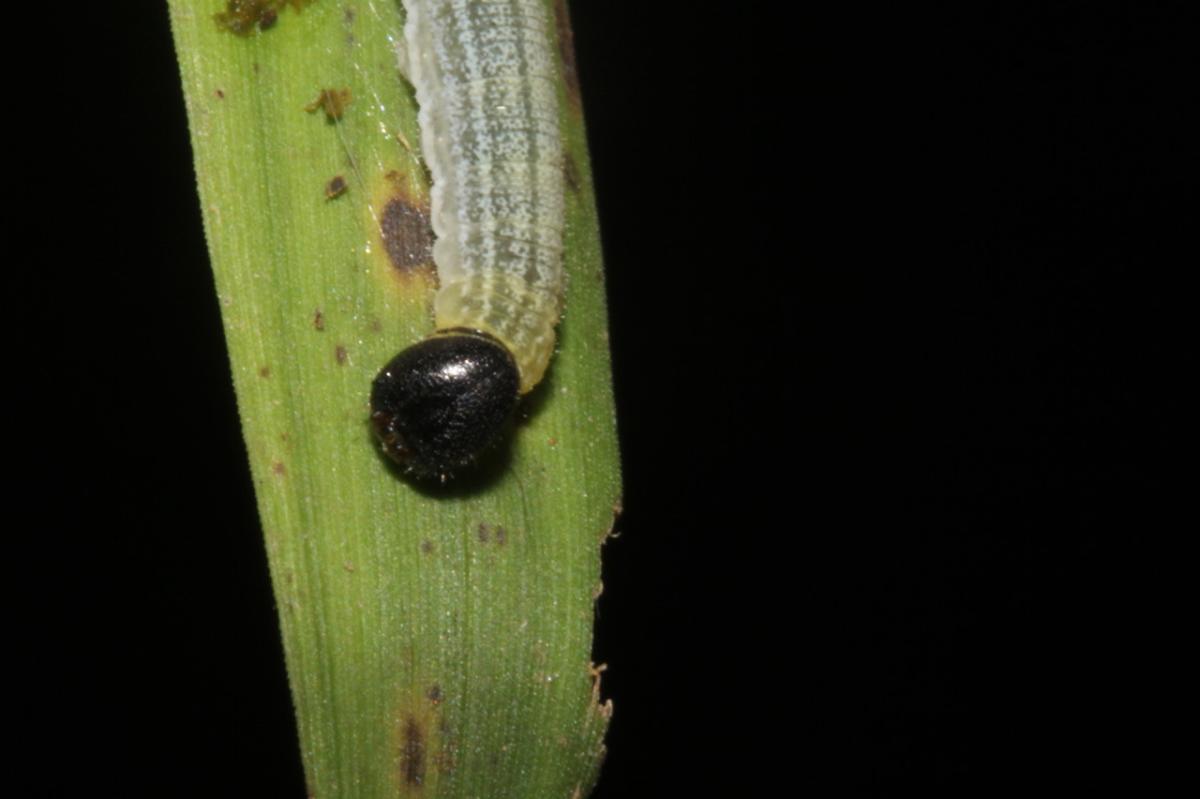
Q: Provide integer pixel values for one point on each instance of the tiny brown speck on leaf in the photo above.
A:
(245, 17)
(492, 532)
(278, 468)
(434, 693)
(339, 354)
(571, 173)
(335, 188)
(318, 320)
(427, 546)
(264, 371)
(332, 101)
(444, 760)
(220, 94)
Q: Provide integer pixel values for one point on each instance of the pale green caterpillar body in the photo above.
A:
(486, 80)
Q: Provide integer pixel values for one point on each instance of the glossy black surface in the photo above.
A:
(440, 403)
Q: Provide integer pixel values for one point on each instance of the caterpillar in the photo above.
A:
(486, 84)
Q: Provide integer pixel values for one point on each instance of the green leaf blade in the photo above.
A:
(438, 639)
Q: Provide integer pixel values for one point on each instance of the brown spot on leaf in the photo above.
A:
(434, 693)
(427, 546)
(278, 468)
(318, 320)
(566, 51)
(242, 17)
(332, 101)
(571, 173)
(492, 532)
(220, 94)
(412, 753)
(245, 17)
(406, 233)
(444, 761)
(335, 187)
(339, 354)
(264, 372)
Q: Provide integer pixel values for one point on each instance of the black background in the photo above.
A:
(883, 287)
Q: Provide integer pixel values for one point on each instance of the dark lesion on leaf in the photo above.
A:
(571, 173)
(248, 17)
(492, 532)
(407, 234)
(336, 188)
(412, 753)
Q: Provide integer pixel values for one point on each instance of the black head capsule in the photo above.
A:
(440, 403)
